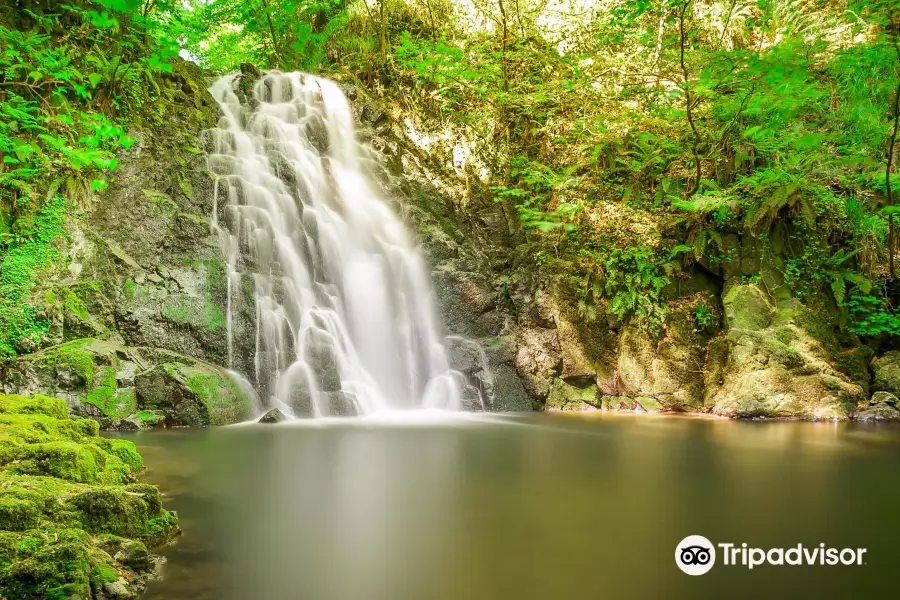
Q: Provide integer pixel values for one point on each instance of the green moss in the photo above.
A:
(133, 512)
(149, 418)
(185, 185)
(222, 396)
(113, 403)
(64, 460)
(40, 404)
(188, 312)
(564, 396)
(56, 570)
(125, 450)
(18, 514)
(128, 289)
(165, 206)
(75, 306)
(70, 355)
(65, 509)
(20, 266)
(95, 363)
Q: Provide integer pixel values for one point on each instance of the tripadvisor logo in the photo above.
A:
(696, 555)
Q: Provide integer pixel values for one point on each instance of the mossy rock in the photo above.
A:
(71, 520)
(747, 307)
(39, 405)
(127, 387)
(565, 396)
(195, 394)
(886, 370)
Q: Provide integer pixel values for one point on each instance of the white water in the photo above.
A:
(345, 315)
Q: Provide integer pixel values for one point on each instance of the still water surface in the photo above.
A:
(529, 506)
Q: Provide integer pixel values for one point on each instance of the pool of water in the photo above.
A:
(520, 507)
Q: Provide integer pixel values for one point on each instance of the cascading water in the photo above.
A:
(345, 318)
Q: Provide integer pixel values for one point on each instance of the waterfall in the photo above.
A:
(345, 321)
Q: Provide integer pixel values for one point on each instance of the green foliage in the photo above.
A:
(21, 264)
(296, 35)
(630, 282)
(633, 280)
(871, 316)
(69, 82)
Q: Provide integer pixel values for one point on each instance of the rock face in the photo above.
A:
(144, 268)
(127, 387)
(72, 520)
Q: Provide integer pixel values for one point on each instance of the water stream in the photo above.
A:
(345, 321)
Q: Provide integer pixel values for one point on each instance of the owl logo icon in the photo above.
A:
(695, 555)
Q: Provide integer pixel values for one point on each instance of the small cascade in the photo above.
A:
(345, 321)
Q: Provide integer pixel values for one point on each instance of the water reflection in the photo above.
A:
(531, 506)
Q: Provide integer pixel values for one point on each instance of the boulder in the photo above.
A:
(883, 406)
(71, 519)
(538, 359)
(567, 397)
(886, 373)
(666, 369)
(273, 416)
(784, 361)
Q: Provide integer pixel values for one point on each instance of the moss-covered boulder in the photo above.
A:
(72, 519)
(124, 387)
(886, 373)
(192, 393)
(565, 396)
(784, 360)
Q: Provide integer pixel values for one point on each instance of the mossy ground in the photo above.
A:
(71, 516)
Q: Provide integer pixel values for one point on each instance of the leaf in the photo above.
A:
(94, 79)
(98, 185)
(838, 287)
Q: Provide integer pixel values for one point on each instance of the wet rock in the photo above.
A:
(509, 393)
(339, 404)
(657, 366)
(273, 416)
(467, 303)
(250, 70)
(471, 399)
(538, 359)
(192, 393)
(373, 114)
(317, 133)
(118, 590)
(134, 554)
(883, 406)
